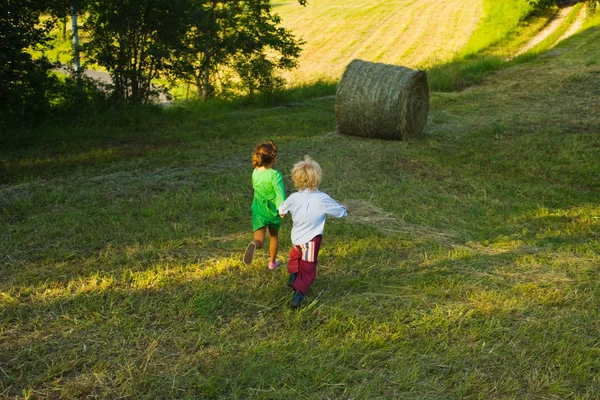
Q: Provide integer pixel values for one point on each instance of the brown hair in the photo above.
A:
(264, 154)
(306, 174)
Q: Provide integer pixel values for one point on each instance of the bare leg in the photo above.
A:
(273, 243)
(259, 237)
(257, 243)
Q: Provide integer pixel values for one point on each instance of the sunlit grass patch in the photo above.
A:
(499, 19)
(397, 32)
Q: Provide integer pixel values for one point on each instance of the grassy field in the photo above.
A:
(417, 34)
(410, 33)
(468, 267)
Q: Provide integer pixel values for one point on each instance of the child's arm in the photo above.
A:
(334, 208)
(284, 207)
(277, 182)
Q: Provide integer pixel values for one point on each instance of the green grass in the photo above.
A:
(468, 267)
(497, 45)
(500, 18)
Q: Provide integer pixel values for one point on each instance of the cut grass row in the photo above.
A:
(410, 33)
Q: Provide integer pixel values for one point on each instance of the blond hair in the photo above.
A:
(306, 174)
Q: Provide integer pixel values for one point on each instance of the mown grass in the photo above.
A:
(413, 34)
(404, 32)
(468, 267)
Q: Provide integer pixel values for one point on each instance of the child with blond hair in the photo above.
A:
(309, 208)
(269, 193)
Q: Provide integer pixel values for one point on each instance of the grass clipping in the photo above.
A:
(382, 101)
(365, 213)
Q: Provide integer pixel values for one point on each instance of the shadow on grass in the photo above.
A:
(131, 133)
(470, 71)
(142, 123)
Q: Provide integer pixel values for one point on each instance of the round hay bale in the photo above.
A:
(381, 101)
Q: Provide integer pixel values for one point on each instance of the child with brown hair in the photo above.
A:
(309, 208)
(269, 193)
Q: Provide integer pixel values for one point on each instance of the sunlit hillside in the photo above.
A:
(407, 32)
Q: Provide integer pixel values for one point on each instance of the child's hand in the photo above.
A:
(346, 207)
(282, 215)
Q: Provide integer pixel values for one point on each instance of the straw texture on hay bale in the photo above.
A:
(382, 101)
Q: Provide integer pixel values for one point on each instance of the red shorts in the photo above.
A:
(303, 261)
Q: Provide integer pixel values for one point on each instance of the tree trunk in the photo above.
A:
(202, 87)
(203, 80)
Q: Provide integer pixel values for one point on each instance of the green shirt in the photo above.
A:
(268, 195)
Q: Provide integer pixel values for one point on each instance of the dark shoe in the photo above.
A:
(292, 279)
(297, 300)
(249, 254)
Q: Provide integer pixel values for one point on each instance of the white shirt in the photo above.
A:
(309, 209)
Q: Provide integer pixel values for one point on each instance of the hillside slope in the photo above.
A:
(406, 32)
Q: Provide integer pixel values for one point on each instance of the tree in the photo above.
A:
(24, 82)
(593, 5)
(206, 43)
(133, 39)
(542, 4)
(213, 43)
(263, 48)
(229, 39)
